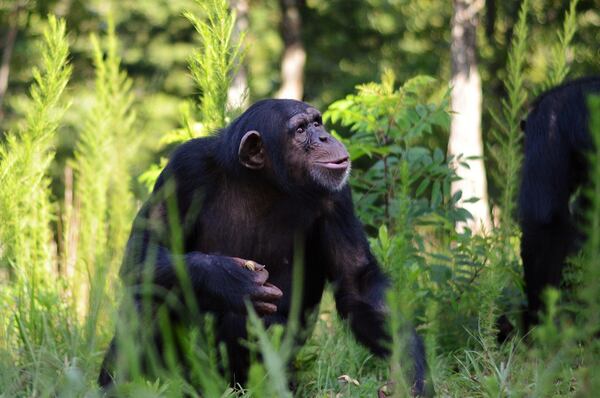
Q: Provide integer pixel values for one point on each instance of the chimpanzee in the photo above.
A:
(242, 196)
(555, 167)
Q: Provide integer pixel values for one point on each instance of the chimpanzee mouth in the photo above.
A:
(339, 164)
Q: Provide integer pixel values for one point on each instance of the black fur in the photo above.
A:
(226, 209)
(555, 166)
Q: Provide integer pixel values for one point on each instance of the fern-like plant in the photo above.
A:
(507, 135)
(559, 66)
(25, 200)
(26, 155)
(102, 185)
(213, 64)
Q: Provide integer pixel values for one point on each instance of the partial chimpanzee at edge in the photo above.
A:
(555, 166)
(242, 195)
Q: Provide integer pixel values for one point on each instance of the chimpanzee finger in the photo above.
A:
(248, 264)
(267, 292)
(260, 277)
(263, 308)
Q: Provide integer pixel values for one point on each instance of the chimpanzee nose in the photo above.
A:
(323, 138)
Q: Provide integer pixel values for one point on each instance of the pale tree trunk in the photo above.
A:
(294, 55)
(237, 95)
(465, 102)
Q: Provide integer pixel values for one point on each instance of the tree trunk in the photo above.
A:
(294, 55)
(465, 102)
(237, 95)
(9, 43)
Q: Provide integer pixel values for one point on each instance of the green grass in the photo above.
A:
(59, 257)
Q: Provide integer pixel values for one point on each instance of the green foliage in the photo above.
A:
(190, 129)
(404, 190)
(27, 251)
(25, 158)
(102, 183)
(274, 362)
(25, 234)
(57, 318)
(504, 280)
(213, 65)
(507, 135)
(559, 66)
(386, 126)
(345, 37)
(590, 292)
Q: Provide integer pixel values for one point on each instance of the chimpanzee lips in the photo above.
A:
(339, 164)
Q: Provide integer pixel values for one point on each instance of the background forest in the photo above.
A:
(95, 94)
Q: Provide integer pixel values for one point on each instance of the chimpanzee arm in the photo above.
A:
(219, 283)
(359, 285)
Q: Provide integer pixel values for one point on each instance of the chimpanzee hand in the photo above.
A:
(262, 294)
(229, 281)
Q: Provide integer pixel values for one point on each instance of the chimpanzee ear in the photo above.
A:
(251, 152)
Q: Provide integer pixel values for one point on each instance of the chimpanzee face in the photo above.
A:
(315, 153)
(309, 155)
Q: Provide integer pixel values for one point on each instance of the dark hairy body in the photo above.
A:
(245, 194)
(556, 141)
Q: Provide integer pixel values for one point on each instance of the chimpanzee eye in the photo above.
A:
(300, 130)
(316, 124)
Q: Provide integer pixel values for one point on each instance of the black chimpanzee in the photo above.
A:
(555, 166)
(241, 198)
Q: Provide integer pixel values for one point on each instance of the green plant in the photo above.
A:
(214, 63)
(506, 151)
(25, 204)
(404, 188)
(212, 66)
(38, 333)
(590, 292)
(559, 65)
(102, 183)
(25, 158)
(387, 125)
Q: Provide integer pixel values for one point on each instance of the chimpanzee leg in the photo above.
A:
(544, 249)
